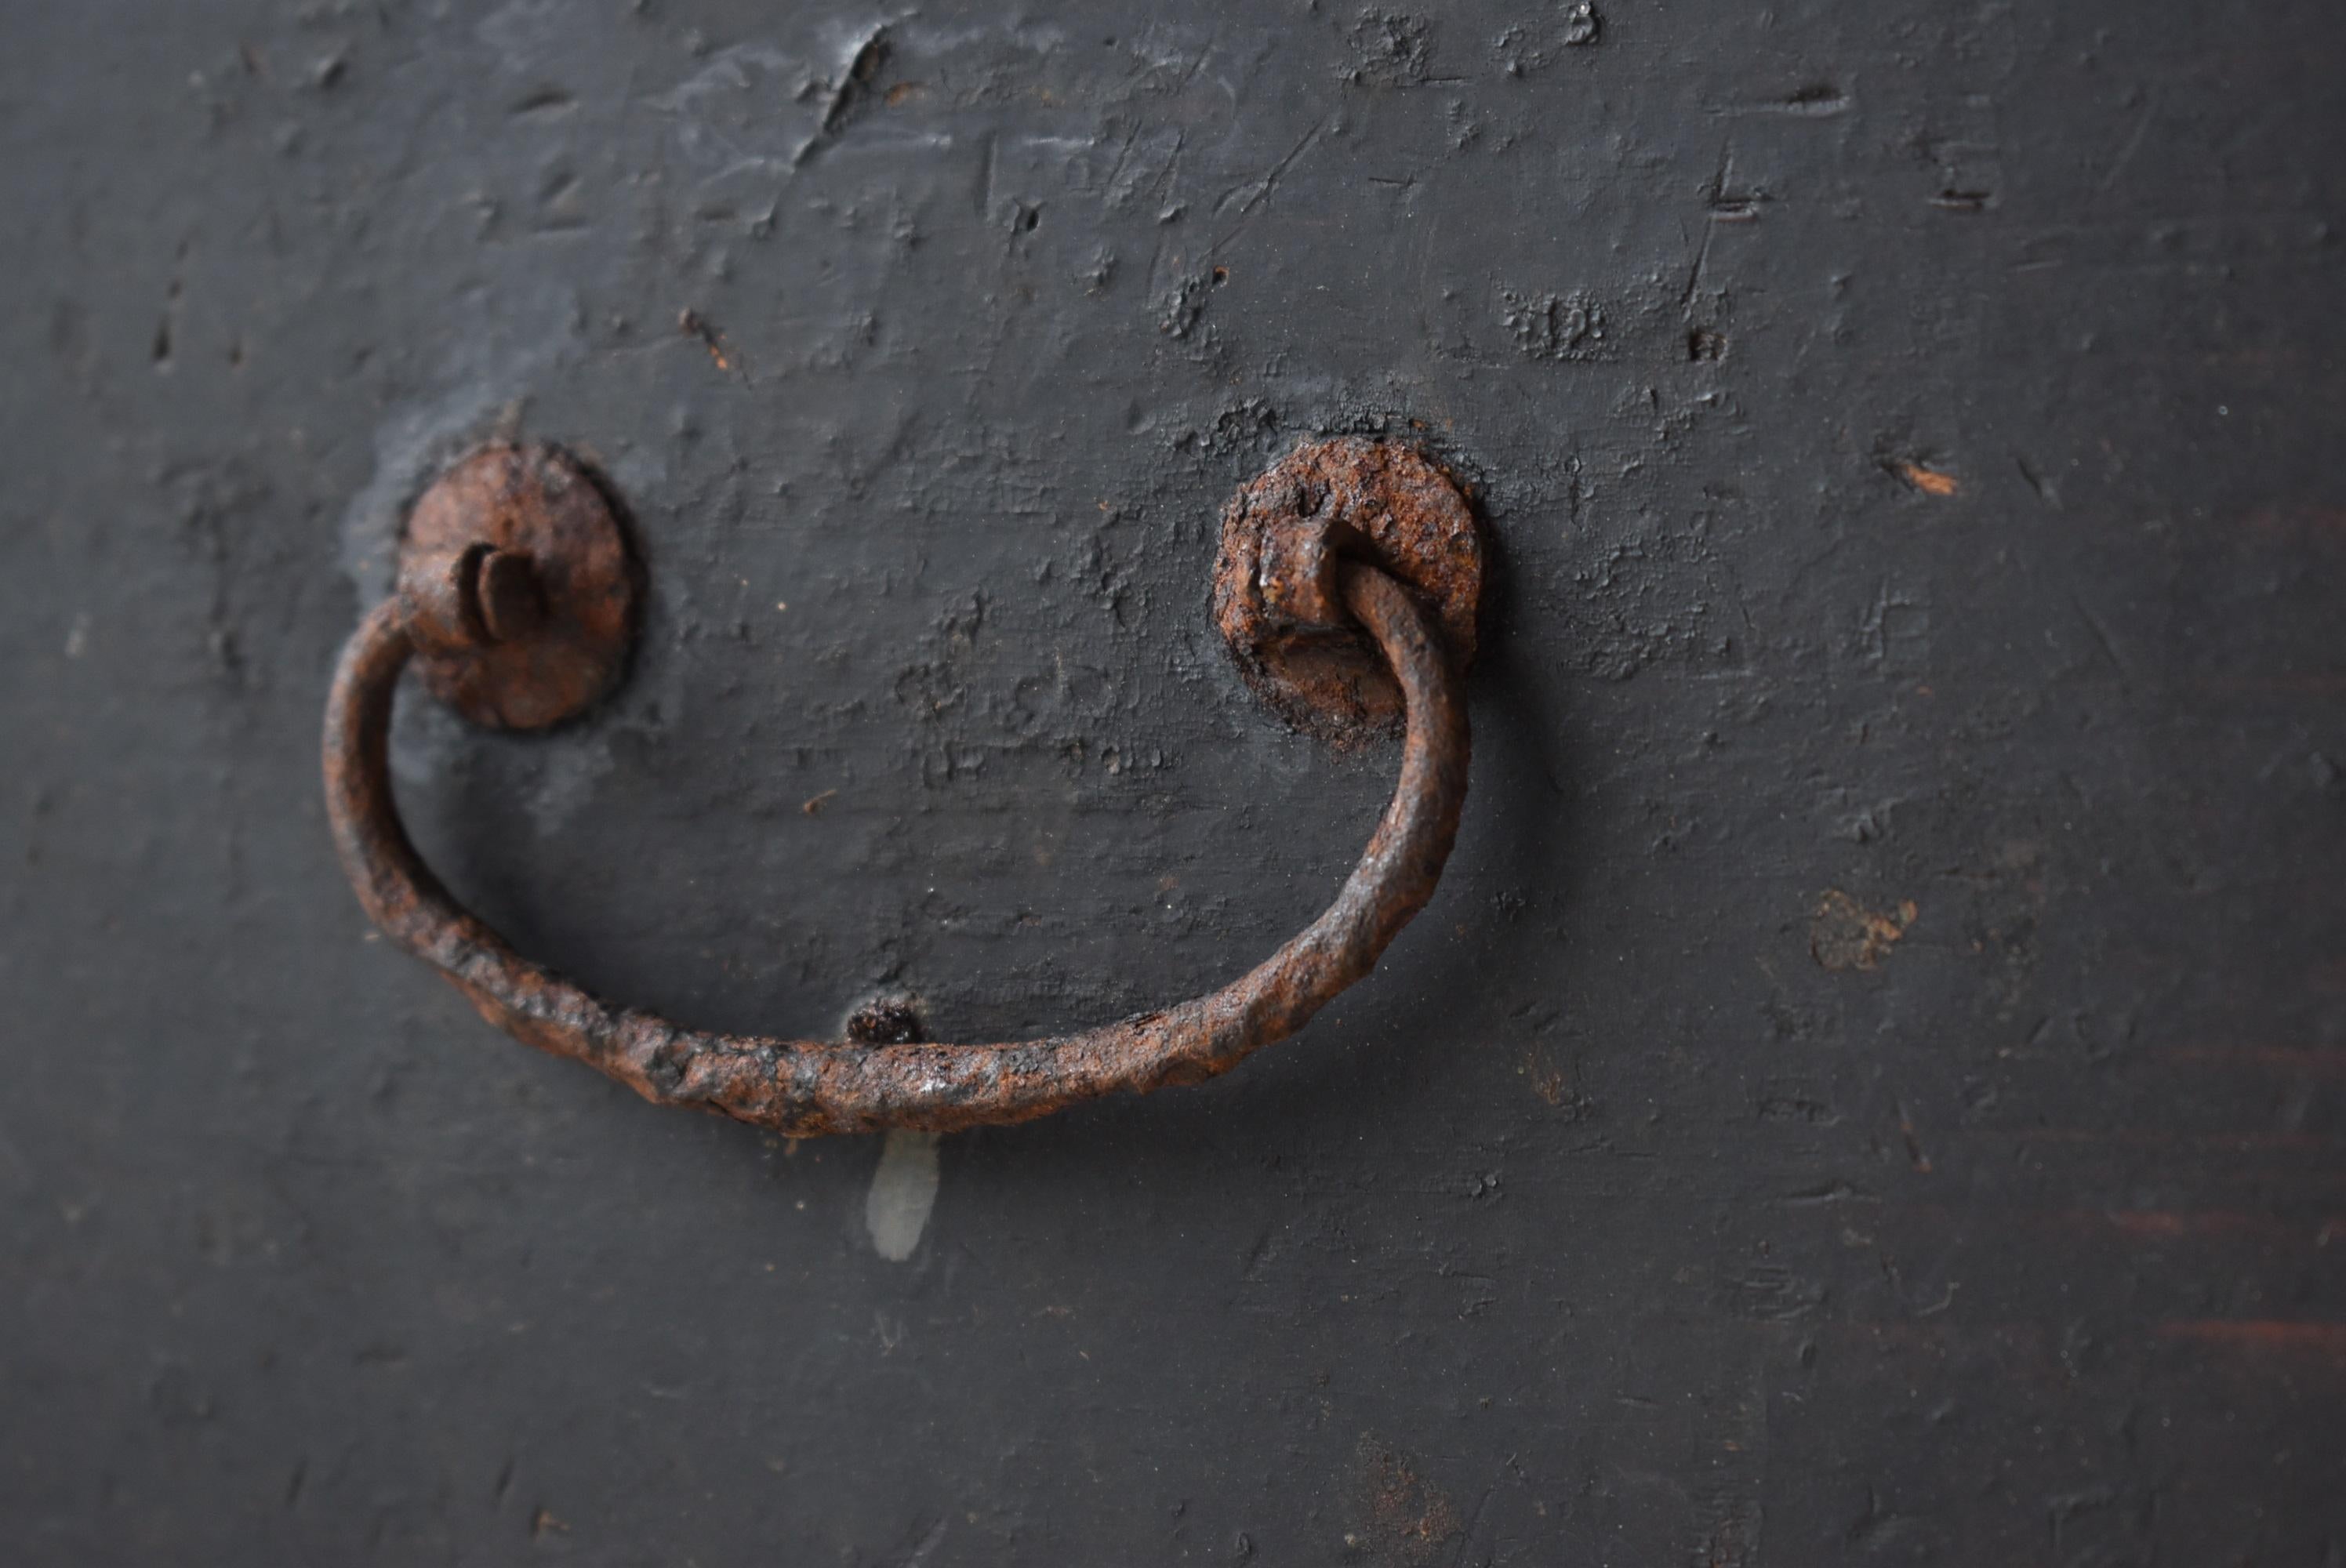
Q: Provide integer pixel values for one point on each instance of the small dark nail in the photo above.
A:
(886, 1021)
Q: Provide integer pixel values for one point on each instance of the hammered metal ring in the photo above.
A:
(1346, 585)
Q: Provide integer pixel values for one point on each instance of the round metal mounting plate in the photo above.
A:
(542, 504)
(1382, 502)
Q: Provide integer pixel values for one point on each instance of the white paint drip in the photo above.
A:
(903, 1191)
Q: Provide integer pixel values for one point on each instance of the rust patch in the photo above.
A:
(1555, 1087)
(1405, 1519)
(1276, 597)
(2167, 1225)
(1929, 481)
(1547, 1080)
(1844, 935)
(694, 325)
(2325, 1340)
(518, 588)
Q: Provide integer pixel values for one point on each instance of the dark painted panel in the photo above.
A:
(1872, 1086)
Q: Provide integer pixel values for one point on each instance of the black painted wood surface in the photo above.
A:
(1872, 1085)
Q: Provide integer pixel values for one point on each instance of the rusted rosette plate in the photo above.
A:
(804, 1088)
(517, 587)
(1377, 502)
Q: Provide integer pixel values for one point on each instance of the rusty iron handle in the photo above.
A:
(1346, 588)
(804, 1088)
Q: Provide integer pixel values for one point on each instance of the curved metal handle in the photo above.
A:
(804, 1088)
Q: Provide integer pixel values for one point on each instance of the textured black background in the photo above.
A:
(1625, 1216)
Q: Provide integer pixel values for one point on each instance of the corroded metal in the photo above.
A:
(1381, 503)
(517, 587)
(885, 1075)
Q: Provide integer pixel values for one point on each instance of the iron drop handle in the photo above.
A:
(1346, 585)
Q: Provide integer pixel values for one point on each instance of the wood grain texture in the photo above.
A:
(1872, 1085)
